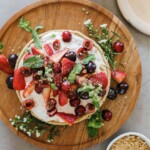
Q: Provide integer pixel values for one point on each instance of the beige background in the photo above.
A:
(139, 120)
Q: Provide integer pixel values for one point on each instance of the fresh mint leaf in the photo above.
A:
(53, 86)
(86, 88)
(34, 62)
(94, 123)
(25, 24)
(89, 58)
(95, 100)
(36, 39)
(76, 70)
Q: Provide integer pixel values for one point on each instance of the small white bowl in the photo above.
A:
(127, 134)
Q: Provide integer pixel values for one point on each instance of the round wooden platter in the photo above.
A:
(68, 14)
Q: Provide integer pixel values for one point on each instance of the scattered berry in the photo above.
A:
(106, 115)
(12, 60)
(112, 94)
(66, 36)
(118, 47)
(9, 82)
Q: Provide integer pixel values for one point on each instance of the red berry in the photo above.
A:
(118, 76)
(26, 72)
(58, 80)
(65, 86)
(38, 88)
(75, 102)
(57, 68)
(90, 108)
(67, 36)
(28, 104)
(62, 98)
(51, 103)
(99, 78)
(48, 49)
(80, 110)
(106, 115)
(67, 66)
(55, 93)
(56, 44)
(72, 95)
(118, 47)
(82, 53)
(88, 44)
(52, 112)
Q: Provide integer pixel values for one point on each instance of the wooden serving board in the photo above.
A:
(68, 14)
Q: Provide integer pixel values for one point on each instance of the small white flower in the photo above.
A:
(24, 129)
(103, 25)
(29, 133)
(38, 134)
(102, 41)
(16, 116)
(24, 119)
(12, 123)
(10, 119)
(21, 127)
(21, 107)
(49, 141)
(87, 22)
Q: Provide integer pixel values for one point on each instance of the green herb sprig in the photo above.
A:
(1, 47)
(32, 126)
(94, 123)
(76, 70)
(34, 62)
(25, 24)
(104, 39)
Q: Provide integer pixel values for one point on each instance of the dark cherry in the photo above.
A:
(52, 112)
(102, 93)
(112, 94)
(84, 95)
(72, 95)
(12, 60)
(56, 44)
(38, 88)
(118, 47)
(71, 55)
(122, 88)
(57, 68)
(51, 103)
(26, 72)
(82, 53)
(90, 108)
(35, 70)
(36, 77)
(88, 44)
(28, 104)
(75, 102)
(91, 67)
(106, 115)
(9, 82)
(80, 110)
(66, 36)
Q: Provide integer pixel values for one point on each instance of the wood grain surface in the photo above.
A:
(68, 14)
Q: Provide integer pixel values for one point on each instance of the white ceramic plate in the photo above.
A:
(127, 134)
(137, 13)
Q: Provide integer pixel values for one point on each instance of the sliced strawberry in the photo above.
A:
(55, 93)
(82, 53)
(58, 80)
(29, 89)
(19, 81)
(36, 51)
(4, 65)
(46, 94)
(48, 49)
(67, 66)
(99, 78)
(65, 86)
(57, 56)
(118, 76)
(62, 98)
(27, 56)
(68, 118)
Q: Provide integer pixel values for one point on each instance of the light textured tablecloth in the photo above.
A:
(139, 121)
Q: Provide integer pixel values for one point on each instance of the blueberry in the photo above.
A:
(12, 60)
(112, 94)
(9, 82)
